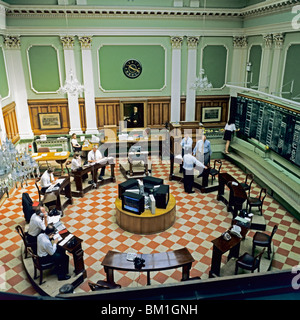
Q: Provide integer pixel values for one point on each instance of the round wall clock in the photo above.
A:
(132, 68)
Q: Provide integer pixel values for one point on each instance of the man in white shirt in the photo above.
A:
(46, 179)
(189, 162)
(202, 150)
(186, 143)
(38, 223)
(94, 156)
(49, 252)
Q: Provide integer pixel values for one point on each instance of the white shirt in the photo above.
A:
(75, 164)
(46, 179)
(36, 225)
(189, 162)
(230, 127)
(74, 143)
(186, 143)
(94, 156)
(45, 246)
(206, 148)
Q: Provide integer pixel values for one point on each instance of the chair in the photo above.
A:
(102, 285)
(248, 262)
(38, 189)
(39, 266)
(22, 234)
(256, 201)
(247, 185)
(262, 239)
(215, 171)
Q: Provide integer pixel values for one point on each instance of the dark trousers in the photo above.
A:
(102, 172)
(188, 180)
(61, 261)
(32, 241)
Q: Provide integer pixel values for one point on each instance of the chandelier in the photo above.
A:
(201, 82)
(72, 85)
(14, 167)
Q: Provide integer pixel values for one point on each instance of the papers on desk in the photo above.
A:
(39, 157)
(67, 238)
(60, 181)
(53, 219)
(34, 154)
(57, 236)
(44, 155)
(63, 153)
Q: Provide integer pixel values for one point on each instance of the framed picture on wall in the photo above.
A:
(211, 114)
(133, 115)
(49, 121)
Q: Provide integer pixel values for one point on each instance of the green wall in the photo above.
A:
(4, 89)
(255, 60)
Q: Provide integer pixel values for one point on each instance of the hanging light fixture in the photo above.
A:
(201, 82)
(15, 167)
(72, 86)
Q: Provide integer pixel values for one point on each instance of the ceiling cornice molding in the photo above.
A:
(40, 11)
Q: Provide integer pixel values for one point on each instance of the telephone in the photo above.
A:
(226, 236)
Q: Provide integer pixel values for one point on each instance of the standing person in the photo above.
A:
(189, 162)
(186, 143)
(203, 151)
(46, 179)
(38, 223)
(75, 145)
(94, 156)
(50, 252)
(229, 129)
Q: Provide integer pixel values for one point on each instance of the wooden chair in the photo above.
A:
(44, 150)
(38, 266)
(36, 180)
(256, 201)
(215, 171)
(262, 239)
(248, 182)
(22, 234)
(248, 262)
(102, 285)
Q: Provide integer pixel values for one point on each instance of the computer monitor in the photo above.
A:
(161, 196)
(129, 184)
(151, 182)
(133, 202)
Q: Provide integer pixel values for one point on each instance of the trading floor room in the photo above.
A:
(149, 149)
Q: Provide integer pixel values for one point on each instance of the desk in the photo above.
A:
(76, 251)
(221, 246)
(237, 194)
(59, 157)
(146, 223)
(153, 262)
(54, 196)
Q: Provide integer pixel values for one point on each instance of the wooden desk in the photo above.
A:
(76, 251)
(153, 262)
(59, 157)
(221, 246)
(237, 194)
(55, 195)
(146, 223)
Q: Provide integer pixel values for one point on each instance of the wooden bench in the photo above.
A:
(153, 262)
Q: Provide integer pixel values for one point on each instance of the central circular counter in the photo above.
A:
(146, 223)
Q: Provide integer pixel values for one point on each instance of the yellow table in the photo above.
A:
(146, 223)
(59, 157)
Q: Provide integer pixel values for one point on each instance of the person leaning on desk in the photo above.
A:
(186, 143)
(93, 157)
(48, 251)
(189, 162)
(76, 164)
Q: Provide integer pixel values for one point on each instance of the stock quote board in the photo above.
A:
(278, 127)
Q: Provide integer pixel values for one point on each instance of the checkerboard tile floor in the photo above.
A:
(199, 219)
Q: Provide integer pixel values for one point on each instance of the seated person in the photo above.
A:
(50, 252)
(76, 164)
(94, 156)
(46, 179)
(38, 223)
(75, 145)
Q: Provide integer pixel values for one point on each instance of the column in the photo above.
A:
(191, 77)
(17, 85)
(275, 88)
(265, 71)
(176, 78)
(88, 79)
(239, 59)
(2, 17)
(74, 114)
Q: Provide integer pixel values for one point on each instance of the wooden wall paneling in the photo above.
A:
(158, 113)
(10, 122)
(49, 106)
(182, 109)
(107, 112)
(82, 114)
